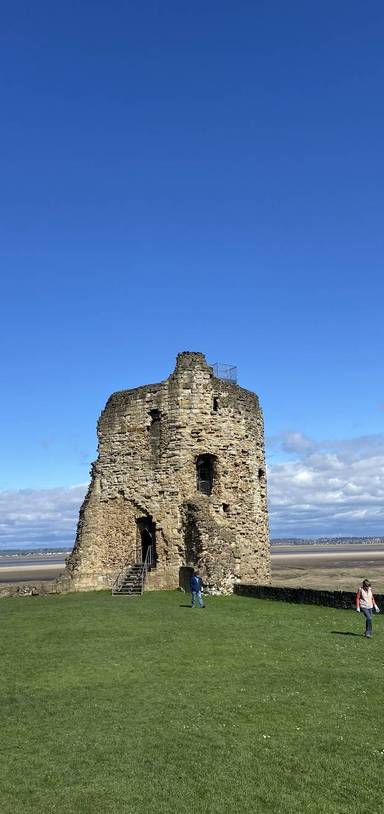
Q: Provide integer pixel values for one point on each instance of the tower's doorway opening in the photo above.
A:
(185, 573)
(146, 540)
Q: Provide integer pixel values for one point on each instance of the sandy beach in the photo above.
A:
(338, 567)
(26, 569)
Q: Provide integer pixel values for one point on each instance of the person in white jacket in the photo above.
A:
(365, 602)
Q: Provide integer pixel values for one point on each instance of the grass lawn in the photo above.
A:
(143, 705)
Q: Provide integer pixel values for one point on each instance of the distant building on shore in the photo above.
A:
(180, 482)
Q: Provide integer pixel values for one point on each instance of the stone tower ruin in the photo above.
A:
(180, 467)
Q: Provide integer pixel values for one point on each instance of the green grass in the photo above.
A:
(141, 705)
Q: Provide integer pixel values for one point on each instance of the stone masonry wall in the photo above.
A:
(149, 441)
(303, 596)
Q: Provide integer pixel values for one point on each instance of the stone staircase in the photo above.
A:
(130, 582)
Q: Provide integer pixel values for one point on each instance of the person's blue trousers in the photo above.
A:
(199, 599)
(368, 620)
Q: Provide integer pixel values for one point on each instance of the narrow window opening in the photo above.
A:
(204, 474)
(225, 508)
(261, 474)
(215, 405)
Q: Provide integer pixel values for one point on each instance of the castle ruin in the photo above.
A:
(180, 469)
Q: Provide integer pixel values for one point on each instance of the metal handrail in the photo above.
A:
(146, 566)
(119, 579)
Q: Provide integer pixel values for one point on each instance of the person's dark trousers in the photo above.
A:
(199, 599)
(368, 621)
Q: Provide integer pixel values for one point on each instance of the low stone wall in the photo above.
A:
(30, 588)
(61, 585)
(305, 596)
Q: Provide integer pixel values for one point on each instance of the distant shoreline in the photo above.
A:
(276, 542)
(33, 552)
(324, 541)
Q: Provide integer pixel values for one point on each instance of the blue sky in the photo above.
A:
(205, 177)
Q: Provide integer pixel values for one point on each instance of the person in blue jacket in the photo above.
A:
(196, 585)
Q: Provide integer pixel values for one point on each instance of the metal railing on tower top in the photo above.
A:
(224, 371)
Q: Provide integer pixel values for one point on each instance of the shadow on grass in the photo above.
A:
(346, 633)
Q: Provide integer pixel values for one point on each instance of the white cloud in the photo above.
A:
(296, 442)
(40, 517)
(327, 488)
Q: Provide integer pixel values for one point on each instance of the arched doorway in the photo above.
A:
(185, 573)
(146, 539)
